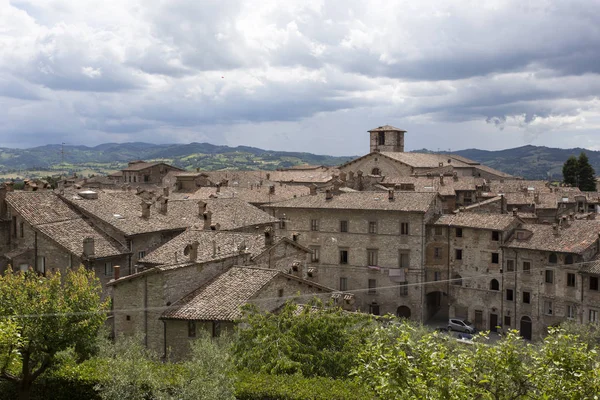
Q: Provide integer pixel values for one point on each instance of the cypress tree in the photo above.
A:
(570, 171)
(585, 174)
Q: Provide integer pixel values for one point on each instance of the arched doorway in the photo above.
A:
(526, 327)
(437, 306)
(375, 171)
(403, 312)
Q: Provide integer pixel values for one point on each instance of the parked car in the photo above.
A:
(460, 325)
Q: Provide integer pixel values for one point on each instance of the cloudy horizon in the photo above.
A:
(308, 76)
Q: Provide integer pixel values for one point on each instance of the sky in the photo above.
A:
(309, 76)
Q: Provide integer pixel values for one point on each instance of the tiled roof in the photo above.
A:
(492, 171)
(122, 210)
(575, 238)
(227, 244)
(40, 207)
(70, 235)
(143, 165)
(425, 160)
(255, 195)
(222, 298)
(386, 128)
(404, 201)
(497, 222)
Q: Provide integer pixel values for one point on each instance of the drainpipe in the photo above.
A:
(448, 279)
(516, 296)
(164, 339)
(35, 250)
(146, 311)
(423, 306)
(502, 285)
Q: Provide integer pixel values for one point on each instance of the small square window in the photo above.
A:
(495, 236)
(372, 286)
(141, 255)
(593, 283)
(314, 224)
(510, 265)
(459, 232)
(108, 268)
(343, 256)
(570, 279)
(343, 284)
(507, 321)
(314, 257)
(280, 293)
(526, 267)
(372, 257)
(344, 226)
(372, 226)
(526, 297)
(404, 259)
(509, 295)
(549, 276)
(548, 307)
(458, 254)
(404, 228)
(570, 311)
(495, 258)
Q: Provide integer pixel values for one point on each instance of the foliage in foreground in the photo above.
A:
(310, 341)
(42, 316)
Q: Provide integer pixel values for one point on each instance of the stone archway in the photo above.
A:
(437, 306)
(403, 312)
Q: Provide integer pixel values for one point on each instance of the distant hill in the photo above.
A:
(531, 162)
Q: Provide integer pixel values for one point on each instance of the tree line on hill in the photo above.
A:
(52, 347)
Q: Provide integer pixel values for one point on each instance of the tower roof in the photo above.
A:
(387, 128)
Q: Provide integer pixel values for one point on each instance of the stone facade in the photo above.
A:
(149, 173)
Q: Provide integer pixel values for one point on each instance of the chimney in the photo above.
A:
(268, 237)
(145, 209)
(565, 221)
(191, 250)
(201, 208)
(272, 189)
(215, 227)
(441, 164)
(350, 175)
(9, 186)
(536, 198)
(455, 176)
(207, 220)
(313, 189)
(555, 229)
(88, 247)
(295, 237)
(116, 272)
(268, 176)
(138, 190)
(296, 269)
(163, 205)
(166, 191)
(343, 176)
(197, 169)
(442, 179)
(218, 188)
(328, 195)
(515, 212)
(391, 195)
(572, 216)
(128, 188)
(336, 186)
(214, 246)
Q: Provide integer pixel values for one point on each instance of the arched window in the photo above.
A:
(569, 259)
(375, 171)
(494, 285)
(553, 259)
(457, 280)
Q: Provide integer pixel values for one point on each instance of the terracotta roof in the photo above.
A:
(575, 238)
(40, 207)
(425, 160)
(497, 222)
(122, 210)
(492, 171)
(255, 195)
(222, 298)
(227, 244)
(70, 235)
(386, 128)
(143, 165)
(404, 201)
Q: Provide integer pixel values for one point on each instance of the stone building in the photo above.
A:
(198, 280)
(146, 172)
(368, 243)
(42, 232)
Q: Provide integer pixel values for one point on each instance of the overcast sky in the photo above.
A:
(307, 76)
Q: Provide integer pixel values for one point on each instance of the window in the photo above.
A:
(380, 138)
(569, 259)
(375, 171)
(458, 254)
(526, 267)
(372, 226)
(459, 232)
(437, 252)
(22, 228)
(507, 321)
(494, 285)
(41, 264)
(404, 228)
(191, 328)
(510, 295)
(141, 254)
(282, 223)
(372, 286)
(314, 257)
(374, 308)
(343, 256)
(570, 311)
(404, 289)
(553, 258)
(437, 275)
(343, 284)
(593, 314)
(438, 231)
(216, 329)
(457, 280)
(510, 265)
(549, 276)
(526, 297)
(593, 283)
(280, 293)
(548, 307)
(404, 259)
(495, 258)
(495, 236)
(108, 268)
(343, 226)
(372, 257)
(570, 279)
(314, 224)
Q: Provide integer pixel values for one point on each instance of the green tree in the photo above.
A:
(312, 341)
(51, 314)
(585, 174)
(570, 171)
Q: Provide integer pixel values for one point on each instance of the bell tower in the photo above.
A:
(387, 139)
